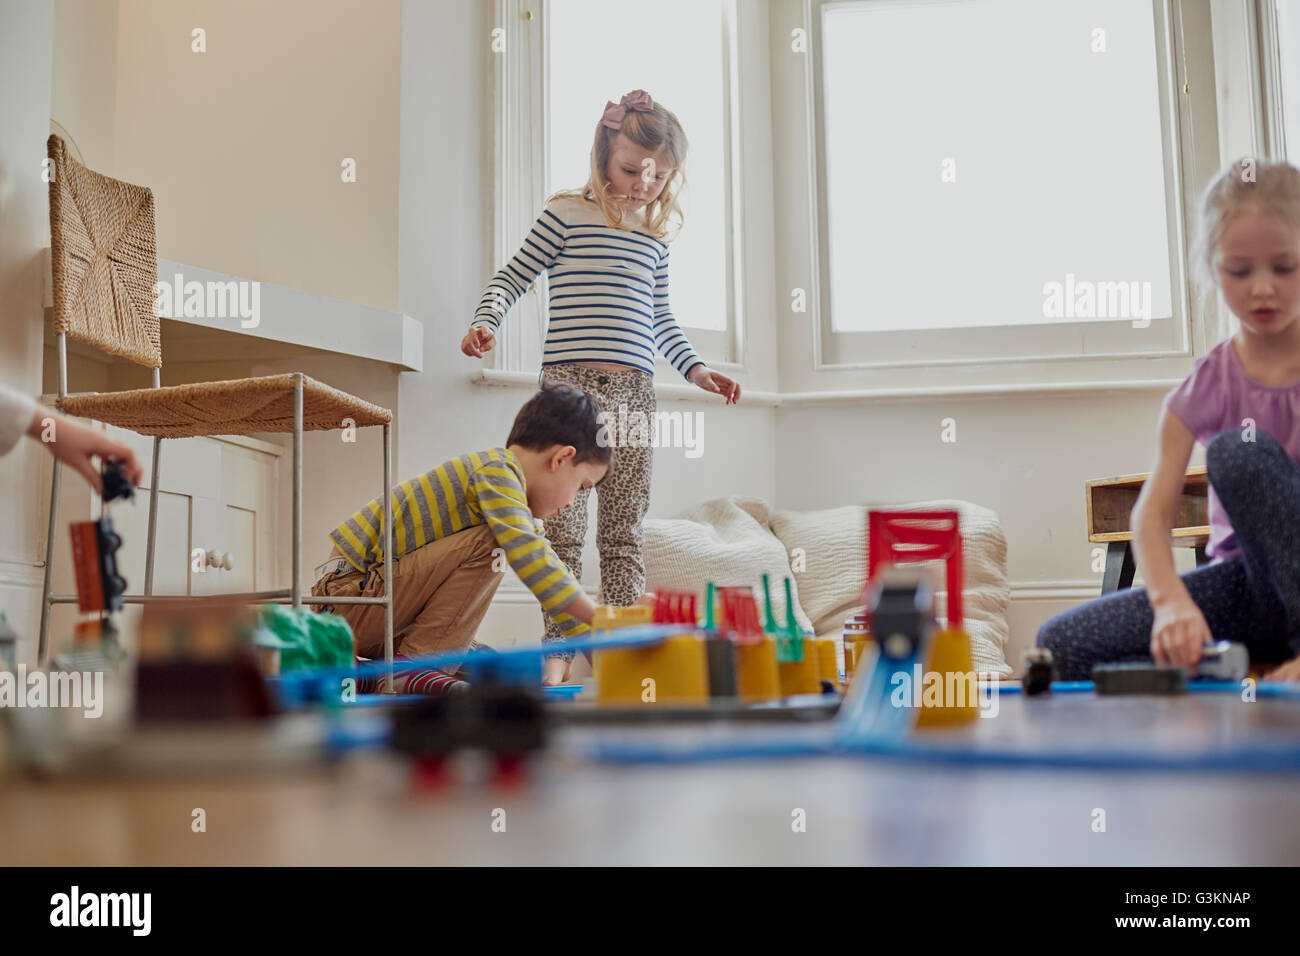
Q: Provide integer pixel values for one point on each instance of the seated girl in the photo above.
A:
(1242, 402)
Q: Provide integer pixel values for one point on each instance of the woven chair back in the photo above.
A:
(104, 260)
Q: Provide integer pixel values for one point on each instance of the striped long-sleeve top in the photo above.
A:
(608, 291)
(486, 487)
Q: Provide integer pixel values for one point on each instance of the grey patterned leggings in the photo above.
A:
(624, 495)
(1252, 597)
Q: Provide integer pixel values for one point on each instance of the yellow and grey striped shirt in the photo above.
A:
(486, 487)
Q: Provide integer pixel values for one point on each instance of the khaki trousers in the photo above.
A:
(441, 592)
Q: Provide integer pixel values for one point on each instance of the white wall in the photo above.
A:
(242, 145)
(26, 31)
(1025, 456)
(84, 81)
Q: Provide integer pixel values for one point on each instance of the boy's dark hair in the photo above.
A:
(561, 414)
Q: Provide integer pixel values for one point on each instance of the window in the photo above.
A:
(997, 182)
(550, 95)
(600, 50)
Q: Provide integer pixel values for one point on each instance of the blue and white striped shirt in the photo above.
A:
(608, 291)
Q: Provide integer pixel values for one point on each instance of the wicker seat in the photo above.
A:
(105, 265)
(225, 408)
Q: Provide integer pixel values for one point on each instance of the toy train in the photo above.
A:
(94, 549)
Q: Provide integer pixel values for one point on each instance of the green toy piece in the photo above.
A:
(793, 630)
(769, 619)
(307, 639)
(789, 639)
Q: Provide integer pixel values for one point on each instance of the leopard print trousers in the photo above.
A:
(621, 498)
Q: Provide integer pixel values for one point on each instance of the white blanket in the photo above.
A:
(726, 541)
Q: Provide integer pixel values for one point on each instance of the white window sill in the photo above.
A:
(687, 393)
(672, 393)
(937, 391)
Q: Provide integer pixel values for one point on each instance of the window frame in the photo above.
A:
(1271, 132)
(1188, 163)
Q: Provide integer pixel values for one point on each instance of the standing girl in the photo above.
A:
(605, 250)
(1242, 402)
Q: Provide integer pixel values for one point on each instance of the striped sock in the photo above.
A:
(430, 682)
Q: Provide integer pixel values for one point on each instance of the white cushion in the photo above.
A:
(726, 541)
(832, 545)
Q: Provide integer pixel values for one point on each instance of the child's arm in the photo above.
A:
(715, 382)
(582, 607)
(504, 506)
(555, 669)
(542, 244)
(676, 348)
(1179, 629)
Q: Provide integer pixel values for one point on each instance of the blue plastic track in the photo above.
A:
(523, 663)
(890, 739)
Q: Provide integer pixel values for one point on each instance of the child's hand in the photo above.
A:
(1288, 671)
(716, 382)
(555, 670)
(476, 342)
(76, 444)
(645, 600)
(1179, 632)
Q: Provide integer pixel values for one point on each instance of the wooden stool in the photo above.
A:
(1110, 503)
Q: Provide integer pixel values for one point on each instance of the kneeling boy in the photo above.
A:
(455, 526)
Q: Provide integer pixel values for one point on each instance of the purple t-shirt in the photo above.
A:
(1219, 395)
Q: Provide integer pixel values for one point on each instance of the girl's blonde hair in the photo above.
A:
(656, 130)
(1246, 183)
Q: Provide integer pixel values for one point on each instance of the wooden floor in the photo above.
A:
(857, 810)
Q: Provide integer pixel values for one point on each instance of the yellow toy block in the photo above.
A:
(950, 657)
(800, 677)
(608, 617)
(828, 668)
(757, 676)
(675, 671)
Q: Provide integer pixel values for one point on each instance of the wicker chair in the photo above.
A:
(105, 265)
